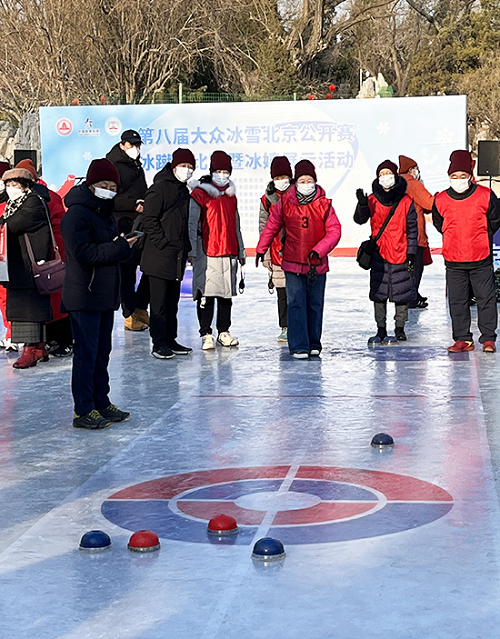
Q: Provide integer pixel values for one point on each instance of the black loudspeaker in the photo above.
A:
(488, 157)
(23, 154)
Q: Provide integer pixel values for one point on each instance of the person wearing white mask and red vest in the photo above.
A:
(468, 215)
(216, 249)
(165, 222)
(312, 230)
(281, 180)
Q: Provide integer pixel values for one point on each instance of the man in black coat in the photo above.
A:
(165, 222)
(127, 206)
(91, 290)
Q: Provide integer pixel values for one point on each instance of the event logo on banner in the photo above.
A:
(345, 140)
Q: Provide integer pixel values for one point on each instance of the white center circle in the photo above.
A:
(273, 500)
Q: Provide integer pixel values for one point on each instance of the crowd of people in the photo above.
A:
(112, 224)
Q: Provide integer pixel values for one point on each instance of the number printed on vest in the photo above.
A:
(305, 222)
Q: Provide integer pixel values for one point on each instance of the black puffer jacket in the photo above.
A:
(92, 279)
(132, 187)
(388, 281)
(24, 302)
(165, 221)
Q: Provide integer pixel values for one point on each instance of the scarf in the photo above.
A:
(14, 205)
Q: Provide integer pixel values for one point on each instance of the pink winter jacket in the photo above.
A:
(322, 248)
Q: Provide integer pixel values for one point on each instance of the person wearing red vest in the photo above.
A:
(391, 276)
(423, 202)
(281, 179)
(312, 231)
(468, 215)
(216, 248)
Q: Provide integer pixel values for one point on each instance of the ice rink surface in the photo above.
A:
(394, 544)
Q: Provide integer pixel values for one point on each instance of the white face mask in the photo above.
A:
(104, 194)
(221, 179)
(183, 173)
(134, 152)
(282, 185)
(306, 189)
(387, 181)
(459, 185)
(14, 192)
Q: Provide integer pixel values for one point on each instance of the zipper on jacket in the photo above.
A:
(91, 279)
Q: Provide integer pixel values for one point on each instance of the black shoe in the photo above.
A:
(113, 413)
(62, 351)
(379, 337)
(92, 421)
(400, 334)
(164, 352)
(178, 349)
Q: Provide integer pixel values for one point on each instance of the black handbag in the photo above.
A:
(368, 247)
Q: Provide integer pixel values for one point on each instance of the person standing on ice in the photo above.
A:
(216, 249)
(468, 215)
(423, 202)
(281, 179)
(312, 230)
(391, 274)
(165, 222)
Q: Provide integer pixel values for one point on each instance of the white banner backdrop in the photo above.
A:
(345, 139)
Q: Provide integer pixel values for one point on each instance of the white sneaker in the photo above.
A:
(208, 343)
(226, 339)
(9, 346)
(283, 336)
(300, 355)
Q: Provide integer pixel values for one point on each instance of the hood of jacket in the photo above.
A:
(388, 198)
(81, 195)
(211, 189)
(167, 173)
(42, 190)
(118, 156)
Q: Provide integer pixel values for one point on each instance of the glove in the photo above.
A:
(410, 263)
(314, 258)
(259, 257)
(362, 197)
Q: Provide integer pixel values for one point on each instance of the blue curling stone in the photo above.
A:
(95, 541)
(268, 549)
(382, 440)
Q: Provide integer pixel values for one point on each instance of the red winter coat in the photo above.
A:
(308, 227)
(218, 223)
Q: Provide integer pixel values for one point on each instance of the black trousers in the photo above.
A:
(165, 296)
(90, 379)
(205, 307)
(282, 307)
(481, 280)
(130, 297)
(60, 332)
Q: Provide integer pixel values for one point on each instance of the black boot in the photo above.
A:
(399, 331)
(379, 337)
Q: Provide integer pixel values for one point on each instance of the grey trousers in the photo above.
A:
(400, 317)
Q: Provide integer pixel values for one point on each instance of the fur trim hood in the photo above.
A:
(208, 187)
(388, 198)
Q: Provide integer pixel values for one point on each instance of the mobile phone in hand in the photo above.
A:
(134, 234)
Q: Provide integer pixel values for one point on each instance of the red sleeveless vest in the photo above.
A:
(304, 225)
(277, 244)
(465, 226)
(393, 243)
(218, 223)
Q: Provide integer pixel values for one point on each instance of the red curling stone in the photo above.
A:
(144, 541)
(222, 525)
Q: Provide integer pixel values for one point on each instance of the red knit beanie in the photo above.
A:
(461, 161)
(406, 163)
(220, 161)
(387, 164)
(28, 164)
(281, 166)
(183, 156)
(101, 170)
(305, 167)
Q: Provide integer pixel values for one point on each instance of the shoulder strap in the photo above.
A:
(54, 245)
(386, 221)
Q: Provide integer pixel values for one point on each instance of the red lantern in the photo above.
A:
(311, 97)
(75, 102)
(332, 88)
(328, 96)
(103, 100)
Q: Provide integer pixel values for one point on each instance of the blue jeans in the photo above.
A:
(90, 379)
(305, 311)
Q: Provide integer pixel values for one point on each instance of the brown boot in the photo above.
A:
(28, 359)
(42, 352)
(133, 324)
(141, 315)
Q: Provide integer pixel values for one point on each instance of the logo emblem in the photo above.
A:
(64, 126)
